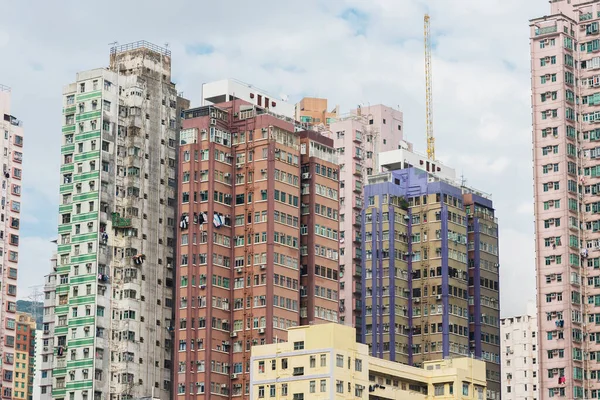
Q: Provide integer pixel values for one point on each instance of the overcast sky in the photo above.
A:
(351, 52)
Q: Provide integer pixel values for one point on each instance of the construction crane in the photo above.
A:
(428, 92)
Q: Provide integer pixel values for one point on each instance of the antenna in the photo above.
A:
(36, 298)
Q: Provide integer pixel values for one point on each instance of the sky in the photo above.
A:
(349, 51)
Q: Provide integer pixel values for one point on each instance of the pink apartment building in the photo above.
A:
(359, 138)
(565, 78)
(12, 142)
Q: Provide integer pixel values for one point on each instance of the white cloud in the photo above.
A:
(517, 274)
(526, 208)
(481, 78)
(34, 263)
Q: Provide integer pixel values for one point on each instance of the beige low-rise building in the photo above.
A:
(325, 362)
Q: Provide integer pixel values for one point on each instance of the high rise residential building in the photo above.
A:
(325, 362)
(24, 357)
(37, 377)
(314, 112)
(12, 142)
(565, 92)
(520, 356)
(45, 353)
(258, 241)
(430, 268)
(359, 139)
(116, 248)
(232, 89)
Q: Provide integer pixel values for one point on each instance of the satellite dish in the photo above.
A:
(284, 97)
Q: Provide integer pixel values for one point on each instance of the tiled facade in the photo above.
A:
(24, 357)
(246, 268)
(565, 91)
(430, 271)
(358, 138)
(11, 131)
(325, 362)
(112, 303)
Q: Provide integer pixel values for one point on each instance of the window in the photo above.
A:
(298, 345)
(339, 386)
(339, 360)
(438, 390)
(323, 385)
(358, 364)
(313, 386)
(323, 360)
(465, 389)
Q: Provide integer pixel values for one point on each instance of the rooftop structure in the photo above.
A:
(232, 89)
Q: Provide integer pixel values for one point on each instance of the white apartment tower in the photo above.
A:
(11, 130)
(112, 304)
(520, 356)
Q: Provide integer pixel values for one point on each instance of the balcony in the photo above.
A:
(357, 273)
(545, 30)
(119, 222)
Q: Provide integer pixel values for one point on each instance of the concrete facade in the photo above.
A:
(112, 304)
(430, 270)
(231, 89)
(11, 130)
(315, 112)
(359, 139)
(325, 362)
(565, 96)
(258, 241)
(520, 356)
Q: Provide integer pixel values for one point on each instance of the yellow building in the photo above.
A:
(24, 357)
(325, 362)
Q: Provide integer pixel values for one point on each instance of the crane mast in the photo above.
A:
(428, 92)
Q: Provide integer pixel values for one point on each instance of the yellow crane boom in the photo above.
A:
(428, 92)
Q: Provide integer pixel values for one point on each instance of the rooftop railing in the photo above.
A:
(142, 44)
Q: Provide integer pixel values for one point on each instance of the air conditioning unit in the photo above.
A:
(213, 121)
(233, 334)
(438, 297)
(263, 266)
(239, 270)
(45, 348)
(418, 300)
(234, 376)
(261, 330)
(214, 114)
(305, 175)
(239, 166)
(202, 287)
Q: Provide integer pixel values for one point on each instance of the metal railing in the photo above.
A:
(4, 88)
(139, 45)
(545, 30)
